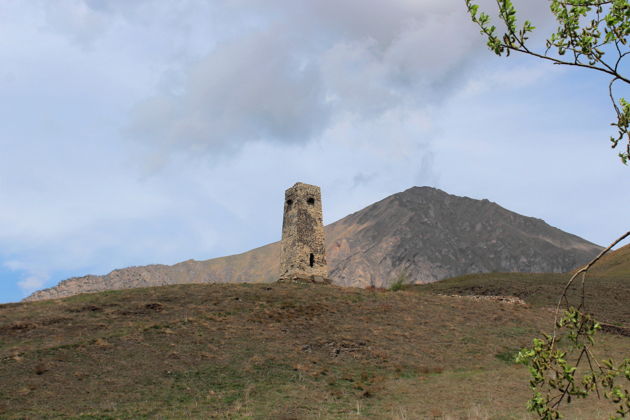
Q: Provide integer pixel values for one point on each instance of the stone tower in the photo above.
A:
(303, 249)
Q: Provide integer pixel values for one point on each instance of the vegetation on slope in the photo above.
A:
(606, 297)
(615, 264)
(268, 351)
(607, 287)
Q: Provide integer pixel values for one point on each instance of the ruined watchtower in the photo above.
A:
(303, 249)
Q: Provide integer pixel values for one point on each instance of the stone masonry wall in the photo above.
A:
(303, 252)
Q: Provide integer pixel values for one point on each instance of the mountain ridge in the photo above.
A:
(420, 235)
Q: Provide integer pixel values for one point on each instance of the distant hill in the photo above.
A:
(606, 290)
(614, 264)
(420, 235)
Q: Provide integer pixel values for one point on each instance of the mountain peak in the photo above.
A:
(420, 235)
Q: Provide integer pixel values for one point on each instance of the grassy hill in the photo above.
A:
(616, 264)
(284, 351)
(607, 287)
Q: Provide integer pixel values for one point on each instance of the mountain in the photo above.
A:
(420, 235)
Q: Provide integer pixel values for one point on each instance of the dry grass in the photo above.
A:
(268, 351)
(607, 297)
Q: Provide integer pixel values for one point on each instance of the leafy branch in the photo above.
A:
(557, 362)
(591, 34)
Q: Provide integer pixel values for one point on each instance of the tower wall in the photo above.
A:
(303, 251)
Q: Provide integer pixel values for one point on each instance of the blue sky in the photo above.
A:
(157, 131)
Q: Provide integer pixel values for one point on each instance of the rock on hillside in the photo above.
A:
(420, 235)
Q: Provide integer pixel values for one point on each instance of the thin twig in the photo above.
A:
(595, 360)
(612, 96)
(522, 48)
(566, 389)
(588, 357)
(577, 273)
(582, 305)
(569, 63)
(595, 4)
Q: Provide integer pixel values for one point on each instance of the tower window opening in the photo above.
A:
(311, 260)
(289, 204)
(311, 201)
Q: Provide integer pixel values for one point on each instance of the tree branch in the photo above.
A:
(611, 72)
(577, 273)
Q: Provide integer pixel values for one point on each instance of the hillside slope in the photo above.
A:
(280, 351)
(422, 234)
(606, 289)
(614, 264)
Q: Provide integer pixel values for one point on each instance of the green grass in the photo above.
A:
(400, 282)
(606, 297)
(274, 351)
(508, 355)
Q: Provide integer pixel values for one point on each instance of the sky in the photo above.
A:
(155, 131)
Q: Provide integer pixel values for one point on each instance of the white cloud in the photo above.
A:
(75, 18)
(509, 77)
(244, 91)
(290, 78)
(32, 279)
(33, 283)
(234, 101)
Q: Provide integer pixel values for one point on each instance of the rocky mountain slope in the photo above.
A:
(420, 235)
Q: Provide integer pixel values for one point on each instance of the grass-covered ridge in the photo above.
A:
(268, 351)
(606, 288)
(607, 297)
